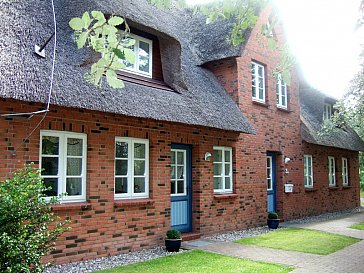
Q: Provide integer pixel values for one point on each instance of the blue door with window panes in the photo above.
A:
(271, 182)
(181, 188)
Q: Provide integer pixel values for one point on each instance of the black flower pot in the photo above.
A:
(273, 223)
(173, 245)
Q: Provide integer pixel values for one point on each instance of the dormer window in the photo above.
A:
(327, 111)
(143, 49)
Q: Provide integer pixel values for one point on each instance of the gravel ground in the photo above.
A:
(109, 262)
(148, 254)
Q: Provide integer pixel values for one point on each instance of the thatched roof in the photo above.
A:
(198, 98)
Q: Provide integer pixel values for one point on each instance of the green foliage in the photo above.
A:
(173, 234)
(102, 36)
(272, 215)
(27, 226)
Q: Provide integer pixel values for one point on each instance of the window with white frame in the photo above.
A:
(63, 164)
(327, 111)
(258, 82)
(269, 173)
(142, 49)
(308, 171)
(345, 172)
(131, 168)
(332, 179)
(223, 170)
(281, 92)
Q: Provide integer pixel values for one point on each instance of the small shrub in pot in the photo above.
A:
(173, 240)
(273, 220)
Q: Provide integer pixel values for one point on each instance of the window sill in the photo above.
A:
(142, 80)
(334, 188)
(285, 110)
(310, 190)
(260, 103)
(133, 202)
(347, 187)
(71, 206)
(225, 196)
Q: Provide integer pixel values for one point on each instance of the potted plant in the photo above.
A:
(273, 220)
(173, 240)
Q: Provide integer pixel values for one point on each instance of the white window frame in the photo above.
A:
(62, 163)
(223, 174)
(327, 111)
(270, 173)
(281, 92)
(331, 171)
(130, 173)
(184, 172)
(135, 68)
(255, 76)
(345, 171)
(307, 173)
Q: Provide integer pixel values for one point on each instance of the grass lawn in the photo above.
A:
(359, 226)
(199, 262)
(303, 240)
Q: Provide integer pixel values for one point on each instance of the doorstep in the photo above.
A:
(190, 236)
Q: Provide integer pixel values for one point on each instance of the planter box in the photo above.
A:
(288, 187)
(273, 223)
(173, 245)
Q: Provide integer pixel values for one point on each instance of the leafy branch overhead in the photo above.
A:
(113, 44)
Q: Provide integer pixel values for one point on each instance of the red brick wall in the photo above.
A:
(101, 226)
(278, 131)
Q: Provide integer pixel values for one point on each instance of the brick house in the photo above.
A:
(203, 138)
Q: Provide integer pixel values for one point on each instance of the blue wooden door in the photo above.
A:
(181, 186)
(271, 182)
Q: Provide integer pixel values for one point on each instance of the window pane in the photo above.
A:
(121, 150)
(121, 167)
(173, 187)
(53, 184)
(227, 156)
(74, 166)
(180, 159)
(139, 167)
(173, 172)
(74, 186)
(173, 157)
(49, 165)
(139, 150)
(139, 184)
(127, 64)
(121, 185)
(217, 155)
(180, 174)
(269, 184)
(217, 183)
(144, 64)
(50, 145)
(227, 183)
(180, 186)
(144, 53)
(74, 146)
(260, 71)
(227, 169)
(217, 168)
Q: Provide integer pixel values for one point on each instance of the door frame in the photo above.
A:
(188, 149)
(274, 181)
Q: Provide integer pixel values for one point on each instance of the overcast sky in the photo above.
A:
(321, 35)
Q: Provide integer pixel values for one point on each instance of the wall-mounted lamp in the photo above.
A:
(207, 156)
(287, 160)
